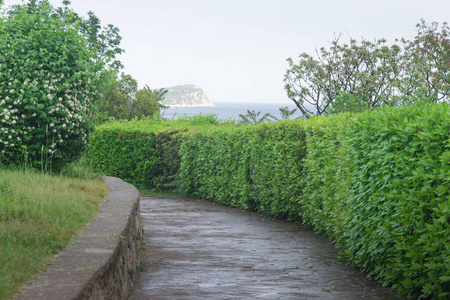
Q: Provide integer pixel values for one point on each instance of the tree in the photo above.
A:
(144, 105)
(105, 40)
(114, 103)
(49, 82)
(346, 102)
(427, 64)
(374, 72)
(122, 100)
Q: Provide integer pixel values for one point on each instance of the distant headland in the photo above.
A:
(186, 95)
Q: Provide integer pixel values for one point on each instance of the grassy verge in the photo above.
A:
(40, 214)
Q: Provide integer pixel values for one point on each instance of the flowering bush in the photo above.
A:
(48, 89)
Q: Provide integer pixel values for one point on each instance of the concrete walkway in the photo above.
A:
(196, 249)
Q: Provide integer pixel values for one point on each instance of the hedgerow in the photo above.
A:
(399, 208)
(143, 152)
(376, 183)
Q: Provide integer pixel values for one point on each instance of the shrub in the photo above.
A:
(143, 152)
(48, 89)
(326, 177)
(253, 167)
(398, 224)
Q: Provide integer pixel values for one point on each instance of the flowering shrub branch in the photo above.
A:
(48, 89)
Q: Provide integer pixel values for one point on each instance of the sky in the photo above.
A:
(236, 50)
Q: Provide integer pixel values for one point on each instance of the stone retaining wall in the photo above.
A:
(102, 262)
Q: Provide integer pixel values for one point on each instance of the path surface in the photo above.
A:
(196, 249)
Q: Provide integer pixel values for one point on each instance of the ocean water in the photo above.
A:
(226, 111)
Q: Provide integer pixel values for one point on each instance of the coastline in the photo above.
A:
(194, 105)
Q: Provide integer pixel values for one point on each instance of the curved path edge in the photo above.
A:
(102, 262)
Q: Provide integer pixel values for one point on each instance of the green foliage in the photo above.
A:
(48, 89)
(326, 177)
(250, 167)
(114, 103)
(123, 101)
(252, 118)
(346, 102)
(286, 113)
(373, 72)
(143, 152)
(399, 202)
(105, 40)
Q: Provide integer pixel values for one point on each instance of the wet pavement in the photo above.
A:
(197, 249)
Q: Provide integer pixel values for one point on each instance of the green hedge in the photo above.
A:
(399, 208)
(376, 183)
(143, 152)
(246, 167)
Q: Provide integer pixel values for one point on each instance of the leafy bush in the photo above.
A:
(253, 167)
(143, 152)
(48, 89)
(326, 176)
(399, 208)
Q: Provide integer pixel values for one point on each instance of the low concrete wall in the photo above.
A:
(102, 262)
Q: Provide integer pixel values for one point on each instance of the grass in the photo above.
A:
(40, 214)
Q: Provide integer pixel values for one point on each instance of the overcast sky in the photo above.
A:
(236, 50)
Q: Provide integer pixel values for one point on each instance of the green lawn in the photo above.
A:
(40, 215)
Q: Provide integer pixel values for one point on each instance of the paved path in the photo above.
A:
(196, 249)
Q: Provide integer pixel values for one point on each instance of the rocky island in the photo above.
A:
(186, 95)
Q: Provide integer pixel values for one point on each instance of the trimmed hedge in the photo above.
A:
(399, 208)
(138, 152)
(377, 183)
(252, 167)
(143, 152)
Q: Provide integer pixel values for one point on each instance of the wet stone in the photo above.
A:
(197, 249)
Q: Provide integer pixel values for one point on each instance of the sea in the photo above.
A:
(229, 110)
